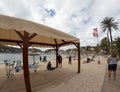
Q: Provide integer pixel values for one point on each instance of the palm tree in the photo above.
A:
(117, 45)
(107, 25)
(104, 44)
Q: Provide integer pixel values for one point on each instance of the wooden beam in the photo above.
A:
(55, 41)
(14, 41)
(29, 45)
(25, 62)
(56, 48)
(20, 34)
(79, 63)
(75, 44)
(19, 45)
(25, 42)
(63, 41)
(56, 56)
(53, 45)
(33, 35)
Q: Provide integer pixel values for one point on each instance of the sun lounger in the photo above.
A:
(33, 65)
(18, 66)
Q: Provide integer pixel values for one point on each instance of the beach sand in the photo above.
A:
(91, 78)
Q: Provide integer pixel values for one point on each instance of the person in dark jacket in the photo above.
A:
(59, 60)
(70, 60)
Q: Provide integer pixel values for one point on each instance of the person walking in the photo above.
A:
(40, 58)
(44, 59)
(59, 60)
(70, 60)
(112, 65)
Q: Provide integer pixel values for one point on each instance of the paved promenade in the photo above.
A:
(112, 85)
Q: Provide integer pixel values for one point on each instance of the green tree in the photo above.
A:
(104, 45)
(117, 45)
(107, 25)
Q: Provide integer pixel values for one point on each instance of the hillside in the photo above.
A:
(10, 49)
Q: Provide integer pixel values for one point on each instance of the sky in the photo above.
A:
(75, 17)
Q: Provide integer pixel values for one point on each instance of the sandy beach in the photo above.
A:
(91, 79)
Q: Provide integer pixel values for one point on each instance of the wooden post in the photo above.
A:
(79, 56)
(25, 62)
(56, 47)
(79, 63)
(56, 56)
(26, 38)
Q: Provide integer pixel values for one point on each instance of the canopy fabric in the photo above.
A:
(46, 36)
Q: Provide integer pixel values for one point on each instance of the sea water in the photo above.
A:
(14, 57)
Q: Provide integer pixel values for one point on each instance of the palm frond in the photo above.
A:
(108, 22)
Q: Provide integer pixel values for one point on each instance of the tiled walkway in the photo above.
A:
(112, 85)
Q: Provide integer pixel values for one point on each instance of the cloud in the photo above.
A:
(76, 17)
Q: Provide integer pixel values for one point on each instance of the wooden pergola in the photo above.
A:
(24, 33)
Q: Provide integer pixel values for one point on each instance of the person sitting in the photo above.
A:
(49, 66)
(88, 60)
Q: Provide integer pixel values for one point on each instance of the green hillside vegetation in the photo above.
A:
(9, 49)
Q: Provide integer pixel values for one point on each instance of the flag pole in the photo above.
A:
(98, 50)
(95, 34)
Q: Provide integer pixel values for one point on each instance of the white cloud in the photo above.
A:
(76, 17)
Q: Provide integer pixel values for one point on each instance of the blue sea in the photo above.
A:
(15, 57)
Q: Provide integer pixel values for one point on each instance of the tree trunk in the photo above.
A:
(119, 56)
(108, 43)
(111, 47)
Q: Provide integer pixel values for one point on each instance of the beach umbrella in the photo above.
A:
(15, 31)
(33, 54)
